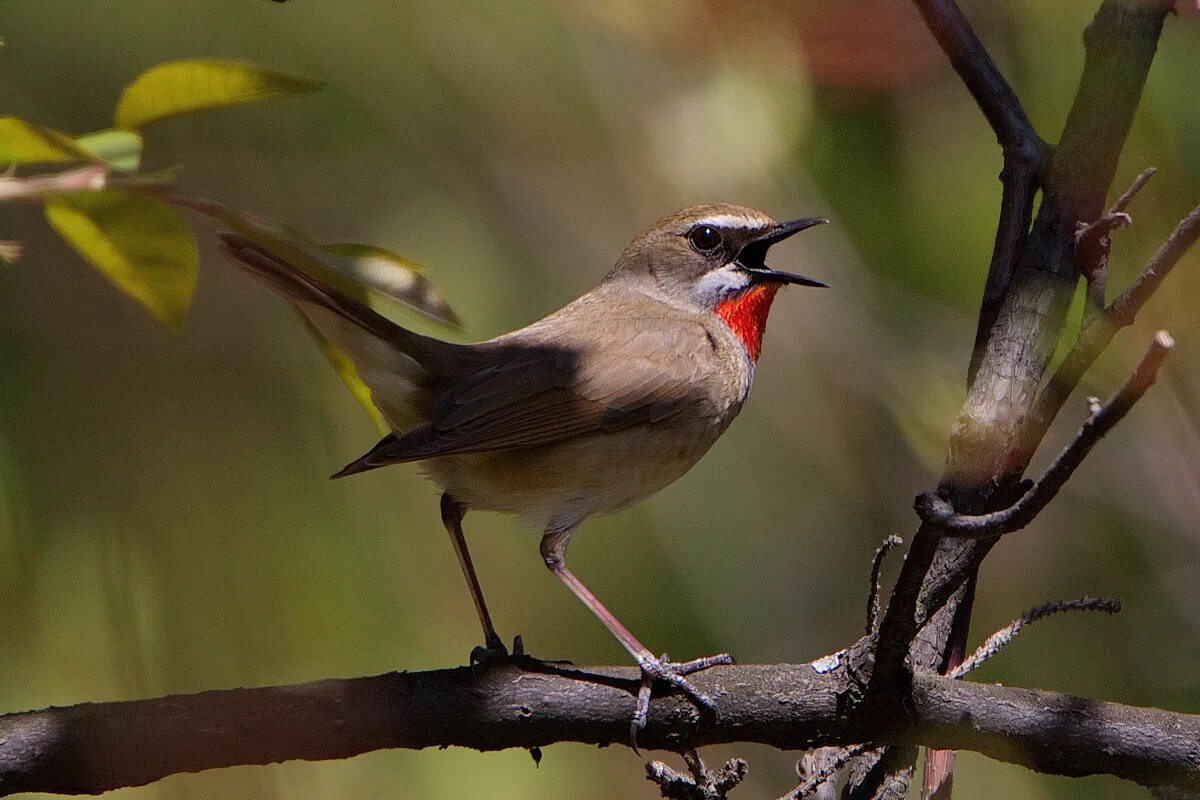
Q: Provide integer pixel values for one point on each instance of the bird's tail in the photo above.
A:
(402, 369)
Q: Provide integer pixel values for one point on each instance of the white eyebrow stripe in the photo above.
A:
(731, 221)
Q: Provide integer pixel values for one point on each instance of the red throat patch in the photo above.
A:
(746, 315)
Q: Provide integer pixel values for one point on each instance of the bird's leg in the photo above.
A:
(554, 551)
(452, 516)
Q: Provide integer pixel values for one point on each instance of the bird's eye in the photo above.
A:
(704, 238)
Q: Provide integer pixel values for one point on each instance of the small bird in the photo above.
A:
(587, 411)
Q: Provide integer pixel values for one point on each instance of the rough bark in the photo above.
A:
(93, 747)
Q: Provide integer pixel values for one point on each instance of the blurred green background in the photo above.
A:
(166, 524)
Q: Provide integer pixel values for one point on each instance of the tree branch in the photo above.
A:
(1097, 335)
(1030, 281)
(1004, 637)
(1023, 150)
(1101, 420)
(971, 61)
(95, 747)
(988, 450)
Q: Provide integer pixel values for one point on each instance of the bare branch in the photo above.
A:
(1003, 637)
(95, 747)
(1120, 313)
(989, 448)
(1023, 150)
(820, 769)
(883, 773)
(703, 783)
(1093, 241)
(1100, 421)
(1124, 309)
(1127, 196)
(971, 61)
(876, 567)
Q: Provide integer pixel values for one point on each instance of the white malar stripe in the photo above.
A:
(718, 283)
(731, 221)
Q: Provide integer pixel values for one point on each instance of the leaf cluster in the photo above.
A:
(125, 222)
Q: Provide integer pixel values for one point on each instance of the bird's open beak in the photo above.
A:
(754, 253)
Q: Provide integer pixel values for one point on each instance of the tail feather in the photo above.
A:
(300, 287)
(404, 370)
(372, 459)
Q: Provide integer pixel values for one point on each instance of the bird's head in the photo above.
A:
(713, 258)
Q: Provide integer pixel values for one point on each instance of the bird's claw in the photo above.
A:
(494, 651)
(662, 669)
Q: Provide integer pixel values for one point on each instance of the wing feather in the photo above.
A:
(541, 394)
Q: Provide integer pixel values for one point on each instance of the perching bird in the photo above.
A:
(587, 411)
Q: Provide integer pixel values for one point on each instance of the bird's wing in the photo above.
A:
(542, 394)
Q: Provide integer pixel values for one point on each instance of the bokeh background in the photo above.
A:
(165, 520)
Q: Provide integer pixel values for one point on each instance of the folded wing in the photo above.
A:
(540, 394)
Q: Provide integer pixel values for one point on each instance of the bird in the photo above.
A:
(587, 411)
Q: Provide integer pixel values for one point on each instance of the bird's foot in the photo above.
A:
(663, 669)
(494, 651)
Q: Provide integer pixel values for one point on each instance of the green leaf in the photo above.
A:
(377, 278)
(392, 275)
(121, 150)
(140, 244)
(345, 370)
(23, 142)
(181, 87)
(395, 281)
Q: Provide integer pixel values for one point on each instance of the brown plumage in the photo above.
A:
(588, 410)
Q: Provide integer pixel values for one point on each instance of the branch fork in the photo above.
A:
(937, 510)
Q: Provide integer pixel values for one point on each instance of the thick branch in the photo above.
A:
(95, 747)
(1101, 419)
(988, 451)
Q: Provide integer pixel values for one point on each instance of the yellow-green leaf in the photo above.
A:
(344, 367)
(181, 87)
(375, 277)
(140, 244)
(392, 275)
(23, 142)
(121, 150)
(343, 267)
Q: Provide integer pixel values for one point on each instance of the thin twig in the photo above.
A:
(1003, 637)
(938, 511)
(883, 773)
(876, 567)
(703, 783)
(815, 762)
(1102, 227)
(1119, 314)
(1124, 309)
(826, 771)
(92, 177)
(672, 783)
(1093, 241)
(1141, 180)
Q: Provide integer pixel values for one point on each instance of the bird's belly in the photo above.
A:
(560, 484)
